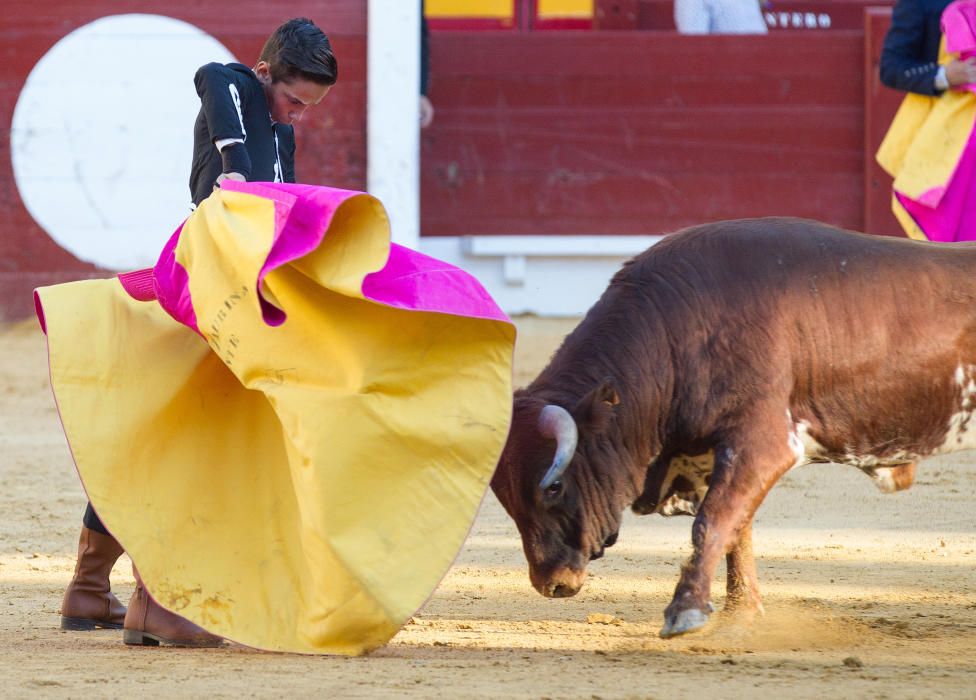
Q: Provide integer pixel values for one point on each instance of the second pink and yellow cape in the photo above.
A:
(930, 148)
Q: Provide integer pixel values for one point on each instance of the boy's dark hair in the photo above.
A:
(299, 49)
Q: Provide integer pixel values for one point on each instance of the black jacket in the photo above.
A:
(911, 48)
(233, 106)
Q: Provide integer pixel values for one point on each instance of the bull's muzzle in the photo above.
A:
(563, 583)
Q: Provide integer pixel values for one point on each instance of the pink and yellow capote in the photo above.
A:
(289, 423)
(930, 147)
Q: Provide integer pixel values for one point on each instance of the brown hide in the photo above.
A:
(722, 340)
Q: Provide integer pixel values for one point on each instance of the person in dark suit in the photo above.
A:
(909, 57)
(426, 107)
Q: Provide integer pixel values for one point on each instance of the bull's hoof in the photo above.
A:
(684, 622)
(643, 506)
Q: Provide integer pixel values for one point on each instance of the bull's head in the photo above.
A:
(561, 479)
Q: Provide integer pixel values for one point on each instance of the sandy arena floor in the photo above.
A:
(867, 595)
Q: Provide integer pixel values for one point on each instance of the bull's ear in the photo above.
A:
(594, 411)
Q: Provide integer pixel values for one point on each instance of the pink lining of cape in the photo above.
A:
(303, 215)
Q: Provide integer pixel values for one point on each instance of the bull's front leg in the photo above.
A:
(741, 583)
(740, 480)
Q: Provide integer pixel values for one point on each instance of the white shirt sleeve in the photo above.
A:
(691, 17)
(223, 143)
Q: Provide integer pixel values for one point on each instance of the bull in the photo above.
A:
(717, 361)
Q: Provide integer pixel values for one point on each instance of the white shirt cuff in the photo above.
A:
(223, 143)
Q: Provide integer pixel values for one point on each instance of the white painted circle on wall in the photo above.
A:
(102, 136)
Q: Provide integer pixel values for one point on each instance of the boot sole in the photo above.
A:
(84, 624)
(145, 639)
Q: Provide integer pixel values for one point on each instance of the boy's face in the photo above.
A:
(287, 102)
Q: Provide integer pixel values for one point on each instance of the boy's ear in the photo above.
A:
(263, 71)
(594, 411)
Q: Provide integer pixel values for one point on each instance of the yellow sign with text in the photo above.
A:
(492, 9)
(505, 9)
(565, 9)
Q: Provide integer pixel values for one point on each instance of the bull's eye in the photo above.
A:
(554, 489)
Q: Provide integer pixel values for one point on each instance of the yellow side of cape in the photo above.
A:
(299, 488)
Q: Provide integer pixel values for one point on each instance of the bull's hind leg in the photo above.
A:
(741, 479)
(741, 583)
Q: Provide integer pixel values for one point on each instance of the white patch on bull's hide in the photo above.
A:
(796, 447)
(696, 470)
(803, 446)
(883, 479)
(958, 434)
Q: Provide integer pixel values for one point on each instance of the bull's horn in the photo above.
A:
(556, 423)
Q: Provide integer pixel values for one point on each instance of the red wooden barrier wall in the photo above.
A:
(545, 132)
(641, 132)
(331, 142)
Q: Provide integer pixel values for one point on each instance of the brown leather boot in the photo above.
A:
(147, 623)
(89, 602)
